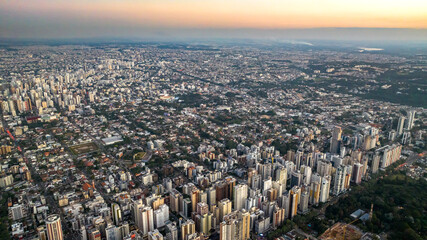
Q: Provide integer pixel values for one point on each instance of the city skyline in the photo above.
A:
(213, 119)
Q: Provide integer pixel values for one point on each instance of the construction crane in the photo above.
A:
(345, 227)
(370, 217)
(10, 135)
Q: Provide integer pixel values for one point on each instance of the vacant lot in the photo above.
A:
(83, 148)
(139, 156)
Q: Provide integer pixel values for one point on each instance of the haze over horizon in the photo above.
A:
(169, 19)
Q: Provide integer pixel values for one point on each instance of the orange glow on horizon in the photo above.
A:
(234, 13)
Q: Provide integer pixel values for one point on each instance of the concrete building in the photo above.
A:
(240, 196)
(54, 228)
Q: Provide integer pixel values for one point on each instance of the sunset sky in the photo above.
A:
(115, 18)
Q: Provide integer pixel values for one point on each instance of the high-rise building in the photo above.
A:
(175, 198)
(236, 226)
(324, 189)
(6, 181)
(83, 233)
(161, 215)
(5, 107)
(171, 231)
(137, 217)
(406, 137)
(124, 230)
(284, 202)
(16, 212)
(392, 135)
(309, 159)
(375, 162)
(203, 196)
(240, 196)
(294, 200)
(411, 119)
(279, 187)
(202, 208)
(211, 195)
(224, 208)
(244, 225)
(186, 207)
(290, 155)
(227, 230)
(266, 185)
(155, 235)
(204, 223)
(194, 195)
(390, 154)
(54, 228)
(315, 192)
(116, 213)
(94, 234)
(41, 233)
(367, 142)
(157, 202)
(400, 125)
(306, 174)
(262, 224)
(187, 228)
(303, 206)
(112, 232)
(324, 168)
(265, 170)
(336, 139)
(299, 159)
(281, 175)
(296, 178)
(341, 180)
(144, 219)
(337, 160)
(147, 220)
(224, 189)
(278, 217)
(272, 194)
(167, 183)
(357, 173)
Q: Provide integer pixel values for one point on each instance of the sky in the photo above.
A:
(400, 19)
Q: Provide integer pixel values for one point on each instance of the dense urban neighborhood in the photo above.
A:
(212, 141)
